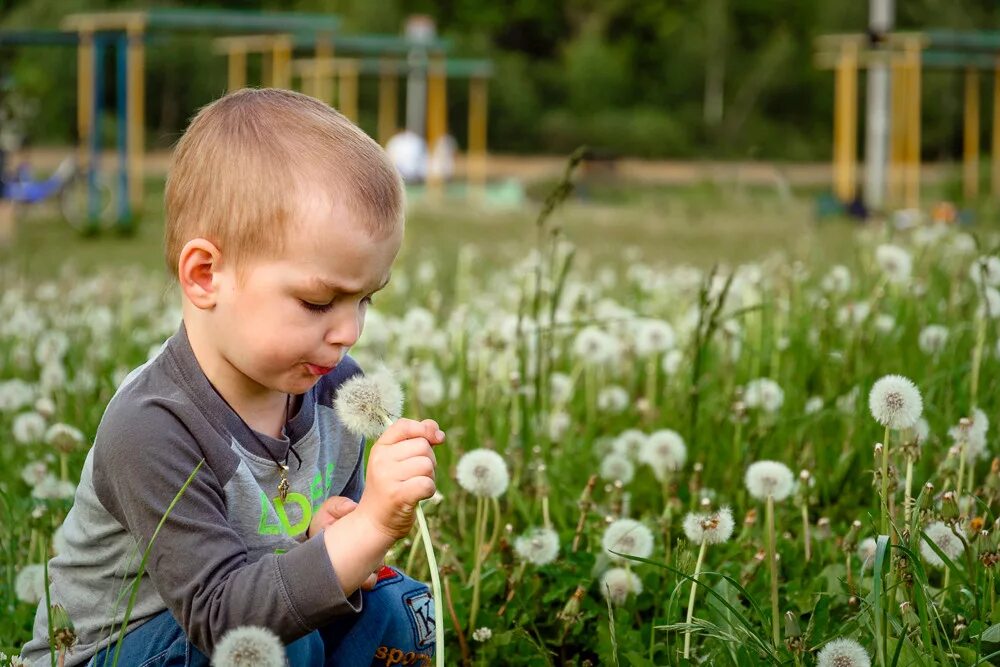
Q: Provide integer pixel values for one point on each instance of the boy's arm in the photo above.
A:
(199, 563)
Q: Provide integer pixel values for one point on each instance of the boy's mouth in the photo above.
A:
(319, 370)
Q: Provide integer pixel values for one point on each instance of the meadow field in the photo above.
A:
(705, 453)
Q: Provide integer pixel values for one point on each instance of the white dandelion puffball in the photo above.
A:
(985, 270)
(653, 337)
(866, 551)
(895, 262)
(813, 405)
(769, 478)
(629, 442)
(34, 473)
(838, 280)
(64, 437)
(972, 437)
(628, 537)
(559, 423)
(672, 362)
(945, 540)
(28, 427)
(29, 585)
(763, 393)
(989, 306)
(594, 346)
(249, 646)
(483, 472)
(481, 635)
(617, 583)
(664, 451)
(713, 528)
(921, 431)
(539, 546)
(843, 653)
(613, 399)
(617, 467)
(365, 402)
(895, 402)
(932, 339)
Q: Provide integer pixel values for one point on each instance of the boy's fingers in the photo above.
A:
(339, 506)
(411, 448)
(402, 429)
(434, 433)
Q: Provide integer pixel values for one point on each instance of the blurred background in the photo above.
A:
(714, 129)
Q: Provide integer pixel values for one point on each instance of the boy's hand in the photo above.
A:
(333, 509)
(400, 473)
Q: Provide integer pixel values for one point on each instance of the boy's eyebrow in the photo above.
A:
(322, 284)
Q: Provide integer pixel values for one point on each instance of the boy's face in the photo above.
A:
(294, 317)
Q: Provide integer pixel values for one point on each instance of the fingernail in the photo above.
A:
(439, 434)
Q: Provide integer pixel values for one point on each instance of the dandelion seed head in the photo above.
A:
(664, 451)
(769, 478)
(28, 427)
(932, 339)
(628, 537)
(895, 262)
(365, 402)
(942, 535)
(765, 394)
(618, 583)
(712, 528)
(63, 437)
(249, 646)
(866, 551)
(843, 652)
(895, 402)
(615, 466)
(483, 473)
(481, 635)
(539, 546)
(29, 584)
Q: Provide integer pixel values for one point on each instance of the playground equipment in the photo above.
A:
(126, 34)
(907, 55)
(419, 57)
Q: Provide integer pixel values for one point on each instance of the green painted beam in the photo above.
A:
(455, 68)
(38, 38)
(935, 59)
(370, 45)
(972, 40)
(229, 20)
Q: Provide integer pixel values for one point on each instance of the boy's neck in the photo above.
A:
(262, 408)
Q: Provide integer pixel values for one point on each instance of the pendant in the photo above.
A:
(283, 484)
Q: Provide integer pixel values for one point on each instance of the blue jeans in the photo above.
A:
(395, 627)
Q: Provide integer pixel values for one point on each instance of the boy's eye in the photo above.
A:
(316, 307)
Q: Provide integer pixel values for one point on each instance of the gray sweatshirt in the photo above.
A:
(230, 553)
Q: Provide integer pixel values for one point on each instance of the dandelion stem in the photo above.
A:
(908, 498)
(773, 564)
(481, 512)
(694, 588)
(436, 585)
(885, 483)
(411, 559)
(961, 470)
(977, 358)
(63, 466)
(806, 538)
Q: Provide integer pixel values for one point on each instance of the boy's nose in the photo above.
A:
(345, 332)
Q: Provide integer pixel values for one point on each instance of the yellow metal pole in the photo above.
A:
(897, 131)
(845, 122)
(237, 67)
(478, 105)
(912, 187)
(348, 94)
(323, 69)
(135, 65)
(84, 95)
(970, 136)
(388, 102)
(995, 153)
(281, 65)
(852, 121)
(437, 116)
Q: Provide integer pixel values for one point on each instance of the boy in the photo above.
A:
(282, 220)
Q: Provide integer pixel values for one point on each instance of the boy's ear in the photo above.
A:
(197, 266)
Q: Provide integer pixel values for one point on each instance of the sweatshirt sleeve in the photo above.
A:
(198, 562)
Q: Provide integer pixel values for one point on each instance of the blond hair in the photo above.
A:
(245, 160)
